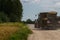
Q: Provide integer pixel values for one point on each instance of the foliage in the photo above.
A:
(14, 31)
(29, 21)
(3, 17)
(22, 33)
(12, 8)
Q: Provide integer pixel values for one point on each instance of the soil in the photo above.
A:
(43, 34)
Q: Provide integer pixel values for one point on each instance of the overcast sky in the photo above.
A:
(34, 7)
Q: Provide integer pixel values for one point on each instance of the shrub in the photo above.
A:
(22, 33)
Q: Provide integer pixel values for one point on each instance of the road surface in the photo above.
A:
(43, 34)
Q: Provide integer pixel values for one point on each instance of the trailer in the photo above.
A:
(46, 20)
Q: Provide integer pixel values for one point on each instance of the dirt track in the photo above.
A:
(43, 34)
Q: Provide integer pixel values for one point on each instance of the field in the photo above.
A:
(14, 31)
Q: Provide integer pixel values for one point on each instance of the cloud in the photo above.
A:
(36, 1)
(36, 6)
(31, 1)
(49, 4)
(25, 1)
(57, 4)
(56, 0)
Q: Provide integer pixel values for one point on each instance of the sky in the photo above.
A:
(34, 7)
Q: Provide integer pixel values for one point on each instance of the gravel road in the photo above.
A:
(43, 34)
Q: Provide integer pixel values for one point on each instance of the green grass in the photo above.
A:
(21, 34)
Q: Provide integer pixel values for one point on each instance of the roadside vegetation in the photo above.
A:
(14, 31)
(11, 12)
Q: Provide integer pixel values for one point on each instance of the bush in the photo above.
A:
(22, 33)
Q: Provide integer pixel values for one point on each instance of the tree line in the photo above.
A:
(29, 21)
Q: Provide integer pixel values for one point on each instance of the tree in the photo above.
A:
(3, 17)
(17, 11)
(29, 21)
(12, 9)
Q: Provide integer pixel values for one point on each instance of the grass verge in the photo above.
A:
(14, 31)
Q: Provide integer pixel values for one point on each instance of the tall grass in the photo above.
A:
(18, 31)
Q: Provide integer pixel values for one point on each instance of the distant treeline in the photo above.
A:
(29, 21)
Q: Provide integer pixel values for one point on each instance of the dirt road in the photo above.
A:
(43, 34)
